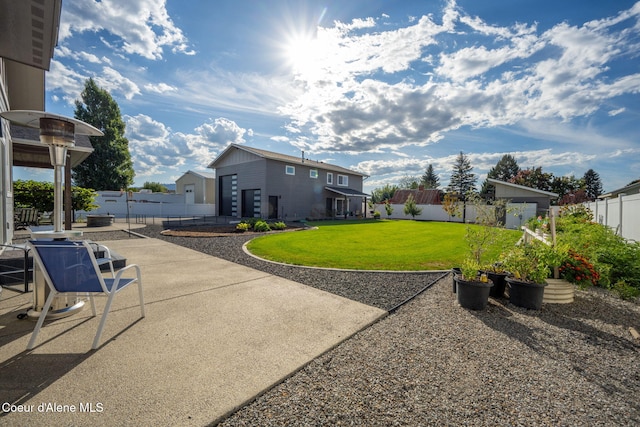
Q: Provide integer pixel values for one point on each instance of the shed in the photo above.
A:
(198, 187)
(520, 194)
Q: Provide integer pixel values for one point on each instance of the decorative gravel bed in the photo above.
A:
(432, 362)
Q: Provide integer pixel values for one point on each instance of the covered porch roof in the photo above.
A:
(28, 151)
(348, 192)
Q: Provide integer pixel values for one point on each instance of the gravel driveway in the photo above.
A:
(431, 362)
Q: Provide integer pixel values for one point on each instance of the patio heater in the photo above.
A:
(58, 133)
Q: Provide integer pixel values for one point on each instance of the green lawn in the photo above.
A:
(371, 245)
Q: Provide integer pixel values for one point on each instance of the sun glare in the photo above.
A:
(301, 53)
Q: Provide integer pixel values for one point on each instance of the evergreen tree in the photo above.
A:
(462, 179)
(109, 167)
(592, 184)
(430, 179)
(411, 208)
(506, 168)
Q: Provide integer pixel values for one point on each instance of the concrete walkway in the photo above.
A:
(216, 335)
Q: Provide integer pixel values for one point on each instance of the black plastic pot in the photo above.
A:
(499, 283)
(455, 271)
(526, 294)
(473, 295)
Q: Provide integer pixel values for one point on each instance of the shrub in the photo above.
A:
(376, 215)
(626, 291)
(251, 221)
(577, 269)
(278, 225)
(242, 227)
(612, 257)
(261, 226)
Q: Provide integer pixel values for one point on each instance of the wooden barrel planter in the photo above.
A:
(99, 220)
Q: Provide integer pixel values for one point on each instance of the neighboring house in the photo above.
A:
(422, 196)
(30, 32)
(260, 183)
(520, 194)
(629, 189)
(197, 187)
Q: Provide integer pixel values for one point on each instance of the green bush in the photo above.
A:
(242, 227)
(376, 215)
(250, 221)
(261, 226)
(278, 225)
(612, 257)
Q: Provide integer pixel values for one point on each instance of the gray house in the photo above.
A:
(260, 183)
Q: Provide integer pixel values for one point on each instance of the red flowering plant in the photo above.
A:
(579, 270)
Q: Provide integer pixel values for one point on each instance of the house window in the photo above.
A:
(343, 180)
(329, 178)
(313, 173)
(290, 170)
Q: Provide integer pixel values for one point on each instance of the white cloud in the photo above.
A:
(159, 88)
(365, 93)
(65, 80)
(142, 27)
(114, 82)
(155, 148)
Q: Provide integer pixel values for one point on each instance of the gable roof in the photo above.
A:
(429, 196)
(521, 187)
(293, 160)
(200, 174)
(629, 189)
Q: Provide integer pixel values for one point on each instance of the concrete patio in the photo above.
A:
(216, 335)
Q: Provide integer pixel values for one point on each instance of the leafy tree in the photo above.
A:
(109, 167)
(83, 199)
(381, 194)
(33, 194)
(388, 207)
(156, 187)
(450, 205)
(411, 208)
(566, 187)
(409, 182)
(533, 178)
(430, 179)
(39, 195)
(506, 168)
(462, 179)
(592, 184)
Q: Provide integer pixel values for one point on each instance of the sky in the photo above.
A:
(383, 87)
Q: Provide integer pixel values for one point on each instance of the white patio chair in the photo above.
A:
(71, 267)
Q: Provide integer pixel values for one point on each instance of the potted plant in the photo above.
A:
(473, 286)
(497, 274)
(530, 266)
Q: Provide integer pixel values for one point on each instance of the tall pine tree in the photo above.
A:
(109, 167)
(592, 184)
(430, 179)
(462, 179)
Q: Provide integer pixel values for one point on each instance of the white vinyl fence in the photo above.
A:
(159, 205)
(622, 214)
(518, 213)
